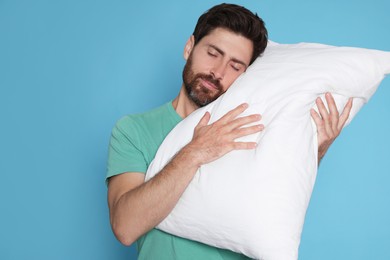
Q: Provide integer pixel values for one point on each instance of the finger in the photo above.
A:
(315, 115)
(204, 120)
(232, 113)
(317, 119)
(243, 145)
(321, 107)
(334, 113)
(345, 114)
(324, 115)
(244, 131)
(245, 120)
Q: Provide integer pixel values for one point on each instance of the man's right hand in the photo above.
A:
(137, 206)
(211, 142)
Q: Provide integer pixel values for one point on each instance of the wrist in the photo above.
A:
(191, 156)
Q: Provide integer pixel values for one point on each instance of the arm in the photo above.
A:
(329, 124)
(137, 206)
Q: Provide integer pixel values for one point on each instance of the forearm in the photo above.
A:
(141, 209)
(136, 207)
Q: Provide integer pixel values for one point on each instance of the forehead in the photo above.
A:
(232, 44)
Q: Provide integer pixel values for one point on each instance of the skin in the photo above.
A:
(135, 205)
(329, 124)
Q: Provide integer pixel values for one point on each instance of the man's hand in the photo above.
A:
(329, 124)
(211, 142)
(137, 206)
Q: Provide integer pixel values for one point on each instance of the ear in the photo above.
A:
(188, 47)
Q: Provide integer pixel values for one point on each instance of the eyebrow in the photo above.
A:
(232, 58)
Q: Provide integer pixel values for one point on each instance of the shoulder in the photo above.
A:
(150, 117)
(138, 122)
(139, 117)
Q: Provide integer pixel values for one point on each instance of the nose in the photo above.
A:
(218, 70)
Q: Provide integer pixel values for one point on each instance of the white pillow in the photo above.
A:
(254, 202)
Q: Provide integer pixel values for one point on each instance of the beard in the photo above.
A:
(196, 92)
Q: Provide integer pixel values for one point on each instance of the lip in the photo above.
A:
(208, 85)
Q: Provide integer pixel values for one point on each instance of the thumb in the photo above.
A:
(204, 120)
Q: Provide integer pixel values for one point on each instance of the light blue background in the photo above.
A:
(70, 69)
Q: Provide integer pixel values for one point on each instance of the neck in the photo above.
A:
(182, 104)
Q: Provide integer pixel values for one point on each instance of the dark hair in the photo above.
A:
(237, 19)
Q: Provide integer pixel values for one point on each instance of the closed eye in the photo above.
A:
(236, 66)
(213, 53)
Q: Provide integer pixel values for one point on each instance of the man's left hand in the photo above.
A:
(329, 123)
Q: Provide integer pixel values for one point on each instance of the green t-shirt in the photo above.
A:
(133, 145)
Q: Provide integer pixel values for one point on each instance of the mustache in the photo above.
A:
(211, 79)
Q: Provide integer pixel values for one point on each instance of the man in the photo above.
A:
(226, 40)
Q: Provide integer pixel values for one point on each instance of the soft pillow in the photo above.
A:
(254, 202)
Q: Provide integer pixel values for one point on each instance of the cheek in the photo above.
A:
(201, 63)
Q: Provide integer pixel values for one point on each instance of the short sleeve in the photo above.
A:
(124, 151)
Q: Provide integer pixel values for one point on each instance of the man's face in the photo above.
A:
(214, 64)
